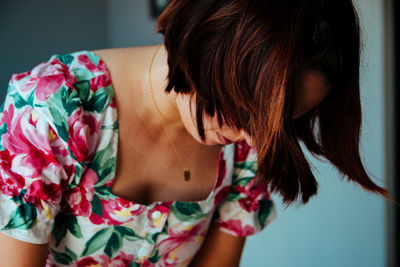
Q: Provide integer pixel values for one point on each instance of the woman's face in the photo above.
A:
(215, 135)
(313, 89)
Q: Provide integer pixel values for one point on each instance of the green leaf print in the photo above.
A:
(234, 196)
(3, 128)
(59, 228)
(73, 226)
(127, 233)
(103, 164)
(149, 238)
(187, 211)
(69, 100)
(97, 241)
(66, 59)
(62, 258)
(31, 97)
(241, 181)
(83, 74)
(154, 257)
(98, 101)
(60, 121)
(64, 222)
(134, 264)
(113, 127)
(94, 58)
(83, 88)
(166, 228)
(97, 207)
(264, 211)
(19, 199)
(104, 192)
(19, 101)
(23, 217)
(247, 165)
(77, 175)
(71, 254)
(113, 245)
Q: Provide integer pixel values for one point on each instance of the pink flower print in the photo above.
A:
(251, 203)
(236, 227)
(85, 61)
(182, 243)
(221, 170)
(157, 214)
(10, 182)
(69, 78)
(88, 261)
(20, 76)
(100, 81)
(46, 79)
(116, 211)
(79, 198)
(30, 146)
(83, 129)
(113, 104)
(222, 194)
(254, 193)
(242, 151)
(121, 260)
(39, 191)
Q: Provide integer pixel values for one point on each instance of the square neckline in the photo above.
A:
(115, 139)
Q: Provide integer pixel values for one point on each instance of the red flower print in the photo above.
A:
(236, 227)
(10, 182)
(241, 151)
(30, 146)
(254, 193)
(156, 214)
(221, 170)
(78, 199)
(19, 76)
(222, 194)
(88, 261)
(83, 129)
(116, 211)
(46, 79)
(100, 81)
(121, 260)
(182, 242)
(39, 191)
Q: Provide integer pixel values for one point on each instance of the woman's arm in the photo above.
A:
(16, 253)
(219, 249)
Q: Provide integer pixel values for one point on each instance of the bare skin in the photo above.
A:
(142, 140)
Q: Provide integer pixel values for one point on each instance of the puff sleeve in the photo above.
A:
(33, 161)
(248, 207)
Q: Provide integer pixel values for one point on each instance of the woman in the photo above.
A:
(206, 124)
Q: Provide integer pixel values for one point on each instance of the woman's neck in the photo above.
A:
(166, 102)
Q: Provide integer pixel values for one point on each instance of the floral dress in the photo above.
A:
(58, 147)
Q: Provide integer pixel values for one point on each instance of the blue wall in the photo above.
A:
(32, 31)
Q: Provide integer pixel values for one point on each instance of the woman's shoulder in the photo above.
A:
(62, 72)
(63, 91)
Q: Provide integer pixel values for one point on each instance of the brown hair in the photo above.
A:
(244, 59)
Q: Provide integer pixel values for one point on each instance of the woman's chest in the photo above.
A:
(156, 173)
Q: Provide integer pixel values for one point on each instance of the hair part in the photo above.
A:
(244, 60)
